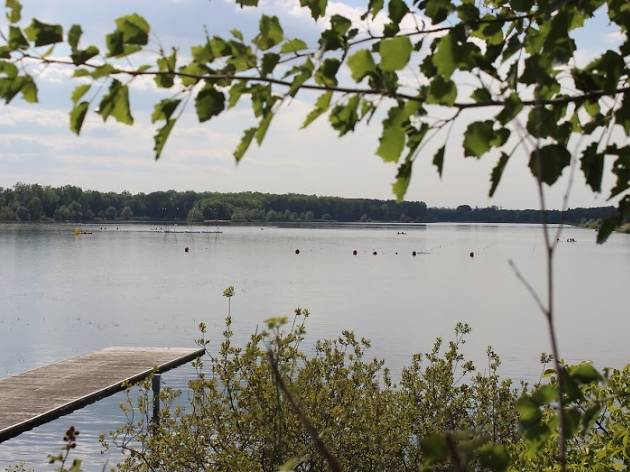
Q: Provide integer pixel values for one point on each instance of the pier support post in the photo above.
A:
(155, 384)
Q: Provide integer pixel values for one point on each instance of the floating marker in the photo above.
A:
(297, 251)
(413, 253)
(186, 249)
(374, 253)
(472, 254)
(354, 253)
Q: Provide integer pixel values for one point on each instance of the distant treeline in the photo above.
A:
(69, 203)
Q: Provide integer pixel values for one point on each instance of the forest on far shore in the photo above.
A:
(38, 203)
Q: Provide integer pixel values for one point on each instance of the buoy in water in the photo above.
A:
(186, 249)
(413, 253)
(297, 251)
(472, 254)
(354, 253)
(374, 253)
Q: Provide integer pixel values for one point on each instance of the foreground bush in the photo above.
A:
(444, 414)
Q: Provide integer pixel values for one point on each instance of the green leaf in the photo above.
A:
(397, 9)
(590, 416)
(77, 116)
(42, 33)
(585, 373)
(134, 28)
(361, 64)
(116, 103)
(293, 45)
(403, 177)
(263, 127)
(478, 138)
(164, 109)
(321, 106)
(606, 228)
(242, 57)
(512, 107)
(29, 89)
(74, 36)
(166, 66)
(344, 118)
(235, 93)
(441, 91)
(592, 165)
(115, 44)
(15, 10)
(209, 102)
(392, 140)
(374, 7)
(528, 411)
(494, 457)
(302, 74)
(81, 72)
(481, 95)
(622, 115)
(434, 449)
(497, 173)
(391, 143)
(242, 147)
(17, 39)
(132, 32)
(193, 72)
(292, 464)
(161, 136)
(270, 34)
(437, 10)
(82, 56)
(102, 71)
(79, 91)
(621, 168)
(9, 69)
(545, 394)
(202, 54)
(395, 53)
(491, 33)
(438, 160)
(326, 74)
(317, 7)
(551, 160)
(415, 138)
(237, 34)
(269, 62)
(444, 57)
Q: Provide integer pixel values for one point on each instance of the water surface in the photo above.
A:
(62, 295)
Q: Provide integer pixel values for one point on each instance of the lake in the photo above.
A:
(62, 295)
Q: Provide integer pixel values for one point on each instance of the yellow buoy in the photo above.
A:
(77, 231)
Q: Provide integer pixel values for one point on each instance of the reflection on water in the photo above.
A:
(62, 295)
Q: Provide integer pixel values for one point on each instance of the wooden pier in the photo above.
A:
(40, 395)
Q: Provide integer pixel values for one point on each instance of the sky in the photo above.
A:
(36, 145)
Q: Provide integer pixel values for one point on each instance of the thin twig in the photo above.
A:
(458, 465)
(527, 285)
(319, 444)
(353, 90)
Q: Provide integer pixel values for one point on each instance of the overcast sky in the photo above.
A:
(37, 147)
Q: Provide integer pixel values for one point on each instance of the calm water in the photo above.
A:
(62, 295)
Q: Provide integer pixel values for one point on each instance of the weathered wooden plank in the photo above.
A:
(40, 395)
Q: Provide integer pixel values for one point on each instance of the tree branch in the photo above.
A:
(319, 444)
(352, 90)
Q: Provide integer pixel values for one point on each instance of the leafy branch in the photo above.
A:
(520, 54)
